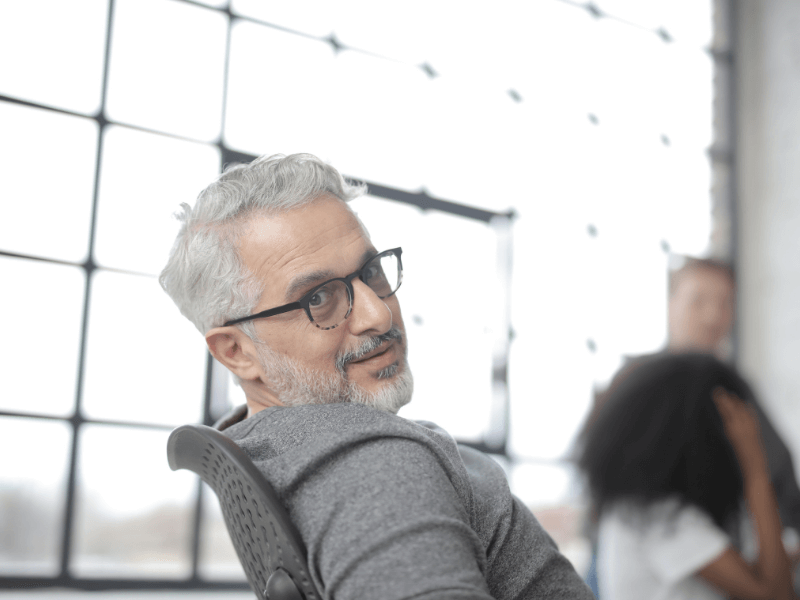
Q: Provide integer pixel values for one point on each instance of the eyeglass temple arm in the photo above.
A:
(265, 313)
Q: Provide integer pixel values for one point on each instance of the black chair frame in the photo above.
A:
(269, 547)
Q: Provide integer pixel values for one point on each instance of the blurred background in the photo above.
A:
(541, 162)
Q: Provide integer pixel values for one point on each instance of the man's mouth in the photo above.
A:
(374, 347)
(383, 348)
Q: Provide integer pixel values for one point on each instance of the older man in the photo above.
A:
(281, 277)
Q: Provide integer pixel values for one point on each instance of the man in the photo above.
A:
(701, 311)
(281, 277)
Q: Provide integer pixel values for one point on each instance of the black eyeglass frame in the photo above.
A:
(304, 302)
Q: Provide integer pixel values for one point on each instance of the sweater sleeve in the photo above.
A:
(523, 561)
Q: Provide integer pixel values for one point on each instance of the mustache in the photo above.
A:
(367, 346)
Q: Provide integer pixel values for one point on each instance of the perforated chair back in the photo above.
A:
(270, 549)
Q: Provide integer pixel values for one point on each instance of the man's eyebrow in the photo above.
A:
(305, 281)
(366, 255)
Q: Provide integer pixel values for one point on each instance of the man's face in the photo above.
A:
(701, 310)
(364, 358)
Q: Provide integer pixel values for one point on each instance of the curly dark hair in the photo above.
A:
(659, 435)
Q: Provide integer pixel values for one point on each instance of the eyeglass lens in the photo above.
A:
(331, 303)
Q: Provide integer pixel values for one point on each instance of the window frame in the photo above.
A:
(496, 441)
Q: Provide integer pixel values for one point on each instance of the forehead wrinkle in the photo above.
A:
(303, 242)
(306, 280)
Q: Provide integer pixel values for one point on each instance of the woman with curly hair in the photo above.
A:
(675, 467)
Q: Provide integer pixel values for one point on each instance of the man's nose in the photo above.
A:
(370, 314)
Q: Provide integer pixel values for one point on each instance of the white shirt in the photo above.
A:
(654, 553)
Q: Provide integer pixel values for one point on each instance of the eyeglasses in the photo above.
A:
(330, 303)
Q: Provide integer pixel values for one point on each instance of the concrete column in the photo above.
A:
(767, 52)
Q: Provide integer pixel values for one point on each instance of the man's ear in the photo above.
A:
(235, 350)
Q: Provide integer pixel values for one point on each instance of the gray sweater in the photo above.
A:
(393, 509)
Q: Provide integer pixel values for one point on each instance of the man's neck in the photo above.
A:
(258, 397)
(678, 348)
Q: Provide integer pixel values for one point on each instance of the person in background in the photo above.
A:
(282, 279)
(669, 459)
(702, 296)
(701, 311)
(701, 307)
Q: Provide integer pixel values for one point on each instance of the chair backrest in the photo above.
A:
(268, 545)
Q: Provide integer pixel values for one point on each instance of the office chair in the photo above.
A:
(270, 549)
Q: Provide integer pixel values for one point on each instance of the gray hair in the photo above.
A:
(204, 275)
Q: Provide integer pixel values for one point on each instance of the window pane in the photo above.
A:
(687, 21)
(549, 51)
(50, 217)
(589, 288)
(218, 558)
(145, 362)
(606, 199)
(53, 52)
(309, 16)
(626, 87)
(451, 334)
(226, 394)
(458, 140)
(32, 495)
(133, 514)
(283, 108)
(397, 31)
(44, 321)
(382, 120)
(553, 492)
(144, 179)
(173, 82)
(550, 380)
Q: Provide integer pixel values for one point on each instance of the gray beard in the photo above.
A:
(296, 386)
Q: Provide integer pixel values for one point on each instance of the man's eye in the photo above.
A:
(320, 297)
(370, 271)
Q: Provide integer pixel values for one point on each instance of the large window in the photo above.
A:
(537, 161)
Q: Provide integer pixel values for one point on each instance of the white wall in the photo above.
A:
(768, 121)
